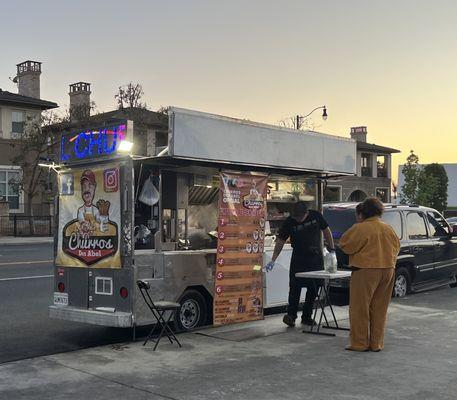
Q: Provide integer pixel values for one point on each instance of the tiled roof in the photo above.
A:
(19, 100)
(374, 147)
(141, 117)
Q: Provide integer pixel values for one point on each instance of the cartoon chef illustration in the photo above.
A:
(89, 213)
(253, 192)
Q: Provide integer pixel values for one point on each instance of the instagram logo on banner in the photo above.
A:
(111, 180)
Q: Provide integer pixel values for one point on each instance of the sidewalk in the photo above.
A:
(260, 360)
(22, 240)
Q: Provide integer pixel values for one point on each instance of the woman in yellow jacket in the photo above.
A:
(373, 247)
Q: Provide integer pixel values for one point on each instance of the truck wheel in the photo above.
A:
(193, 312)
(402, 285)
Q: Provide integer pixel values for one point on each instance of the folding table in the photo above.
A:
(323, 299)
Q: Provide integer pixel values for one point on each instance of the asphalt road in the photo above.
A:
(25, 292)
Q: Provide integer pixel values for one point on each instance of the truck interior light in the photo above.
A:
(125, 146)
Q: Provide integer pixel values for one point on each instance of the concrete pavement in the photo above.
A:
(260, 360)
(26, 287)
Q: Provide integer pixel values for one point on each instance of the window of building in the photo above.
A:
(393, 218)
(332, 194)
(9, 190)
(381, 163)
(438, 226)
(17, 123)
(416, 226)
(382, 194)
(366, 164)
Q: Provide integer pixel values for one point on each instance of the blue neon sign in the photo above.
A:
(92, 143)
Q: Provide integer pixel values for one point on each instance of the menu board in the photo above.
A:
(241, 232)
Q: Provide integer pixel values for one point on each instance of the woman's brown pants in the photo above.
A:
(370, 293)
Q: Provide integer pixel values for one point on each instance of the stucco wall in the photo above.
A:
(365, 184)
(6, 117)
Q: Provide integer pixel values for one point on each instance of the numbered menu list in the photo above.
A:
(241, 231)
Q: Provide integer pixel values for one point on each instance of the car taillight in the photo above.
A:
(61, 287)
(124, 292)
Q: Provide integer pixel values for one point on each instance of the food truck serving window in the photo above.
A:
(94, 143)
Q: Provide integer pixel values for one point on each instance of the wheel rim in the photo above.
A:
(189, 314)
(401, 286)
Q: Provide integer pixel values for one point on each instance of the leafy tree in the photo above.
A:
(80, 113)
(426, 186)
(34, 145)
(435, 180)
(411, 171)
(130, 95)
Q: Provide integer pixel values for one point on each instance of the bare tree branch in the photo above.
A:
(130, 95)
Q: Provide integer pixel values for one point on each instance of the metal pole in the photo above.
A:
(297, 122)
(15, 224)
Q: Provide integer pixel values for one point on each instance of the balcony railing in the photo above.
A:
(382, 172)
(367, 171)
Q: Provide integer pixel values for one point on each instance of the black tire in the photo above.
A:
(402, 284)
(193, 313)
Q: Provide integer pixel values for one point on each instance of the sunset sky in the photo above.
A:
(389, 65)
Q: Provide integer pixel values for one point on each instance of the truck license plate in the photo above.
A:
(60, 299)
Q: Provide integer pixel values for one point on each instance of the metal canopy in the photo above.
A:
(210, 168)
(208, 138)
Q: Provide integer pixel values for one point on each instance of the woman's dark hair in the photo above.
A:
(358, 208)
(370, 207)
(299, 210)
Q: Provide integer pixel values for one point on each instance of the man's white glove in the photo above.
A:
(269, 266)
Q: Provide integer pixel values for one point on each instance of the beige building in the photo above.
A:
(374, 173)
(15, 110)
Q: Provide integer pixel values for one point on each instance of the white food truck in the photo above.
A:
(128, 216)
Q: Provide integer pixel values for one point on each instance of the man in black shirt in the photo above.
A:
(303, 228)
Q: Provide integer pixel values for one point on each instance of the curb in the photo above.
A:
(20, 241)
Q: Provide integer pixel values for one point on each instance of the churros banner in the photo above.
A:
(241, 232)
(89, 218)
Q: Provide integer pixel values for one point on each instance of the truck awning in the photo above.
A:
(204, 138)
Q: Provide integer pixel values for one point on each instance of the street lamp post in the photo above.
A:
(299, 118)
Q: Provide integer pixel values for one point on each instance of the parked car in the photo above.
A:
(428, 254)
(452, 221)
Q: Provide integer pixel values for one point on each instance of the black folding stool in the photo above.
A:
(158, 309)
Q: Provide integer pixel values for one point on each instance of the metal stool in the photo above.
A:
(158, 309)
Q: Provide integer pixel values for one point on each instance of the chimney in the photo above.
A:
(28, 78)
(79, 101)
(359, 133)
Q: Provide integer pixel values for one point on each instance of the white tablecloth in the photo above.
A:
(324, 275)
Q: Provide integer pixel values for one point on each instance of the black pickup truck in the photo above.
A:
(428, 254)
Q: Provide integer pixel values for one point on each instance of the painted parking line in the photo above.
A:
(25, 262)
(26, 277)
